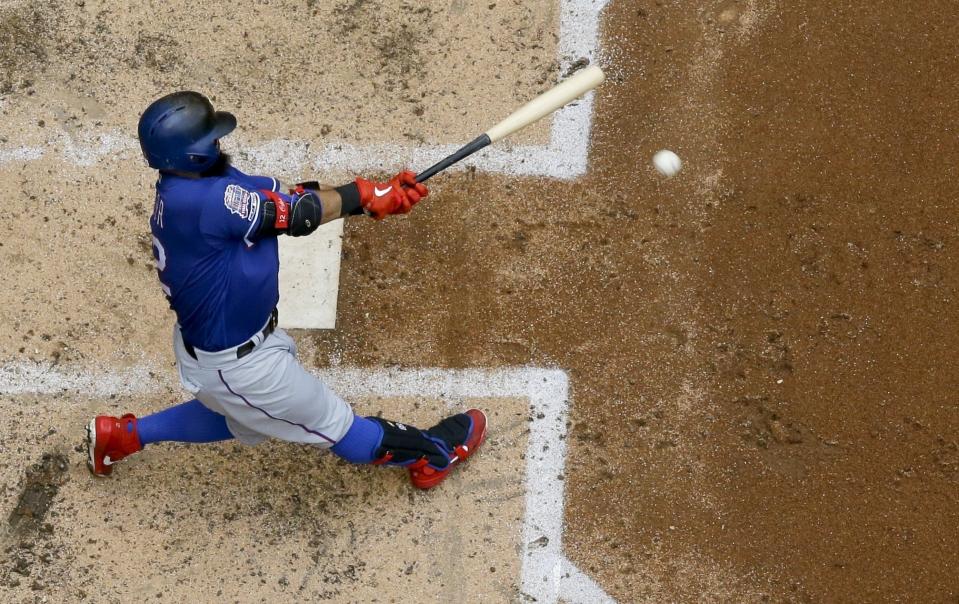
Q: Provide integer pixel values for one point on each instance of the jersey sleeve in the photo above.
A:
(234, 214)
(255, 183)
(265, 182)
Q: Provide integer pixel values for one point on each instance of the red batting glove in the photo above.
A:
(398, 196)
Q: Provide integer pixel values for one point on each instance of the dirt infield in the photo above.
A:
(71, 104)
(761, 350)
(275, 523)
(93, 60)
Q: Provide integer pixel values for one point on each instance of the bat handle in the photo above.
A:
(465, 151)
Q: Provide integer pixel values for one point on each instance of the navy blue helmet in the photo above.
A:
(181, 131)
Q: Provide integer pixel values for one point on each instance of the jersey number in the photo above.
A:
(160, 254)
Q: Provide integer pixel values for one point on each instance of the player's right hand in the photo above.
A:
(398, 196)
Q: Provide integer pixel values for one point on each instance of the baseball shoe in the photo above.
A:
(110, 439)
(451, 430)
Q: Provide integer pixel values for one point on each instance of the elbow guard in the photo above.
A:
(302, 215)
(307, 213)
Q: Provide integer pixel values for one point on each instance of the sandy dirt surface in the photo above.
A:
(77, 75)
(761, 350)
(273, 523)
(407, 69)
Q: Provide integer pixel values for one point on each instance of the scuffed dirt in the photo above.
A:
(32, 551)
(40, 487)
(83, 71)
(23, 34)
(350, 72)
(278, 522)
(761, 350)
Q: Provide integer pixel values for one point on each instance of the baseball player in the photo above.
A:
(215, 235)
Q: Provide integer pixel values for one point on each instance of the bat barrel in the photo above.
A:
(570, 89)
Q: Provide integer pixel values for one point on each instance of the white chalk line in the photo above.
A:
(547, 575)
(564, 157)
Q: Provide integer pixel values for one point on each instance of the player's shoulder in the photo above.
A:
(228, 193)
(180, 193)
(259, 183)
(227, 188)
(243, 194)
(238, 197)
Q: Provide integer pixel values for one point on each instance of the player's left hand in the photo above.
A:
(398, 196)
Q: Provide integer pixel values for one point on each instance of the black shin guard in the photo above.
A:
(453, 430)
(403, 444)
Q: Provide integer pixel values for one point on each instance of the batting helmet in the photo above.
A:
(181, 131)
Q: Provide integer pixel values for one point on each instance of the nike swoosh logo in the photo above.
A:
(380, 193)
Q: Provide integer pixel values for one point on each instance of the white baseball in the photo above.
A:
(667, 163)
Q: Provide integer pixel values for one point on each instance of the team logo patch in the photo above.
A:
(241, 202)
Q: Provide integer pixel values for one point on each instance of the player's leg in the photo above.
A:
(429, 455)
(271, 395)
(110, 439)
(189, 422)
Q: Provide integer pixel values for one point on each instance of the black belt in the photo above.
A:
(246, 348)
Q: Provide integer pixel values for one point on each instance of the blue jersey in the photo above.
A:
(221, 282)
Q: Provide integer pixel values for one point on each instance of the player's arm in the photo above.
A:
(311, 204)
(330, 199)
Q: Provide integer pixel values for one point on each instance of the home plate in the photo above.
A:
(310, 278)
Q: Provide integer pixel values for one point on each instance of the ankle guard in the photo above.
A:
(453, 431)
(404, 445)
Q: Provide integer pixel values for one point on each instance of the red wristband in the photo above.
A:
(282, 220)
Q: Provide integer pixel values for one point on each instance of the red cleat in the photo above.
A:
(425, 476)
(110, 439)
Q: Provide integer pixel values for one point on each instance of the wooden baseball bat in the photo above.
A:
(569, 89)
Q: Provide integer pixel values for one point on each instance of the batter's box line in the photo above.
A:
(564, 157)
(547, 574)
